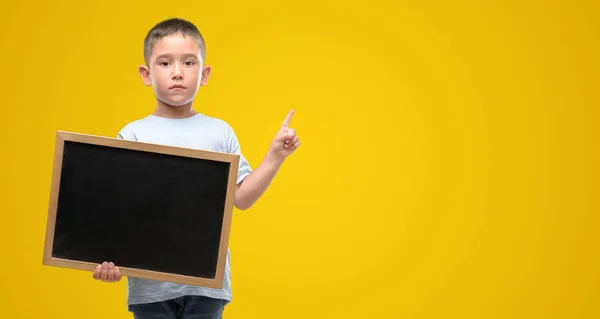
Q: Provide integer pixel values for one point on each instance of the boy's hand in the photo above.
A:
(286, 141)
(107, 272)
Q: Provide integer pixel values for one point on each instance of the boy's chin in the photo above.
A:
(175, 103)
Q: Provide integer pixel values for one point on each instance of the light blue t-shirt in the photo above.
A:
(199, 132)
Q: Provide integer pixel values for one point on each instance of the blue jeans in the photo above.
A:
(187, 307)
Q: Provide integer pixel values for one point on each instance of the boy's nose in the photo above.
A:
(177, 73)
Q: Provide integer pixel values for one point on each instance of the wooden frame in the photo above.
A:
(233, 159)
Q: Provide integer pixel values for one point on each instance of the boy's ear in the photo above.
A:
(145, 74)
(205, 75)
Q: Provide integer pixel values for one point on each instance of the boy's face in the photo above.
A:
(175, 70)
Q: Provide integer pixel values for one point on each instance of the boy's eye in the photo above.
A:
(188, 63)
(163, 63)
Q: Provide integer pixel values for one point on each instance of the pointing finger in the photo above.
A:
(288, 119)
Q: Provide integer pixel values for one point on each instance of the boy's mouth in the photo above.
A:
(177, 86)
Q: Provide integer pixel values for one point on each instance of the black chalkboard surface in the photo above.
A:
(158, 212)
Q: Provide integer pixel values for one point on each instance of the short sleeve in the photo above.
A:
(233, 147)
(126, 135)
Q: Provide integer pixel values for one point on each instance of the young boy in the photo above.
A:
(174, 53)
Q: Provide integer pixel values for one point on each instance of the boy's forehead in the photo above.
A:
(176, 44)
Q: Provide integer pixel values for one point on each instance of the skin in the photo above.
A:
(176, 72)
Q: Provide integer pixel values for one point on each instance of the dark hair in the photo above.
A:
(169, 27)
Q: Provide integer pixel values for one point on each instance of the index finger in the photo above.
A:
(288, 119)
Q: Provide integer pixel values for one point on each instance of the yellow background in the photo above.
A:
(449, 166)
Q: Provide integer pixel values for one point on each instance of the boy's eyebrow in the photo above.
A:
(187, 55)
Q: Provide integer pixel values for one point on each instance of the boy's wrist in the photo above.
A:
(273, 160)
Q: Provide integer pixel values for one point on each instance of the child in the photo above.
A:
(174, 53)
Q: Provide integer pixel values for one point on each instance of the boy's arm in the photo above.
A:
(254, 185)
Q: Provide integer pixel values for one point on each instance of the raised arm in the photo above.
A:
(254, 185)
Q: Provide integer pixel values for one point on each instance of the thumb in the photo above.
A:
(285, 134)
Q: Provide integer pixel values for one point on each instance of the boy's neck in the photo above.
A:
(174, 112)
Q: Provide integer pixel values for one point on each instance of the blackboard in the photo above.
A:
(158, 212)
